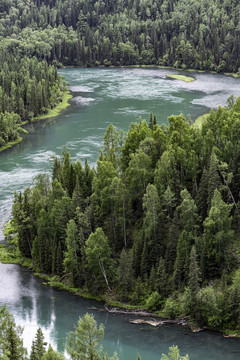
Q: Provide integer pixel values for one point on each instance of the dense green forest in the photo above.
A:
(82, 343)
(179, 33)
(28, 87)
(182, 33)
(155, 224)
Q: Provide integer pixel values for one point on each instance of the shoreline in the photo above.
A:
(234, 75)
(141, 315)
(67, 96)
(51, 113)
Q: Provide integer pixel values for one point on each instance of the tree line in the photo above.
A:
(82, 343)
(156, 222)
(28, 88)
(184, 34)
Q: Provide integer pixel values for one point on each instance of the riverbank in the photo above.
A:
(11, 255)
(235, 75)
(51, 113)
(142, 66)
(11, 144)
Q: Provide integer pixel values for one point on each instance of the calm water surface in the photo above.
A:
(101, 97)
(55, 311)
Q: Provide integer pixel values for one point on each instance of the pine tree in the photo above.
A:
(71, 256)
(125, 273)
(11, 343)
(162, 279)
(38, 346)
(193, 281)
(50, 354)
(214, 179)
(202, 195)
(151, 121)
(218, 237)
(82, 343)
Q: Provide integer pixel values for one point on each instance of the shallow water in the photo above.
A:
(101, 97)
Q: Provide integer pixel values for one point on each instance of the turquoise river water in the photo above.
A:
(101, 97)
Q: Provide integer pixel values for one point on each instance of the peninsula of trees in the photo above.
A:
(28, 88)
(156, 223)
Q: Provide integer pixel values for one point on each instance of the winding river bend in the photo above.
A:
(101, 97)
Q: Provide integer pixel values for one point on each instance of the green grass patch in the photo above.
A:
(184, 78)
(236, 76)
(56, 282)
(11, 143)
(193, 70)
(57, 109)
(118, 304)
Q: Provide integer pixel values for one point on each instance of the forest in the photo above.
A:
(28, 88)
(37, 35)
(199, 34)
(155, 224)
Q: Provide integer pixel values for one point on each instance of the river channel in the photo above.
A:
(101, 97)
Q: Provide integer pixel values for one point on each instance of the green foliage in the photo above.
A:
(38, 346)
(171, 308)
(208, 312)
(71, 258)
(153, 302)
(218, 236)
(98, 255)
(158, 217)
(50, 354)
(28, 88)
(174, 354)
(125, 273)
(11, 343)
(93, 33)
(83, 343)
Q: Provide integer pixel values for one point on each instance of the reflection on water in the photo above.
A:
(35, 305)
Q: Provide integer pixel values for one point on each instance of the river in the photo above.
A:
(101, 97)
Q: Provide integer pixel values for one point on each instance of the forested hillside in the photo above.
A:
(195, 34)
(156, 223)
